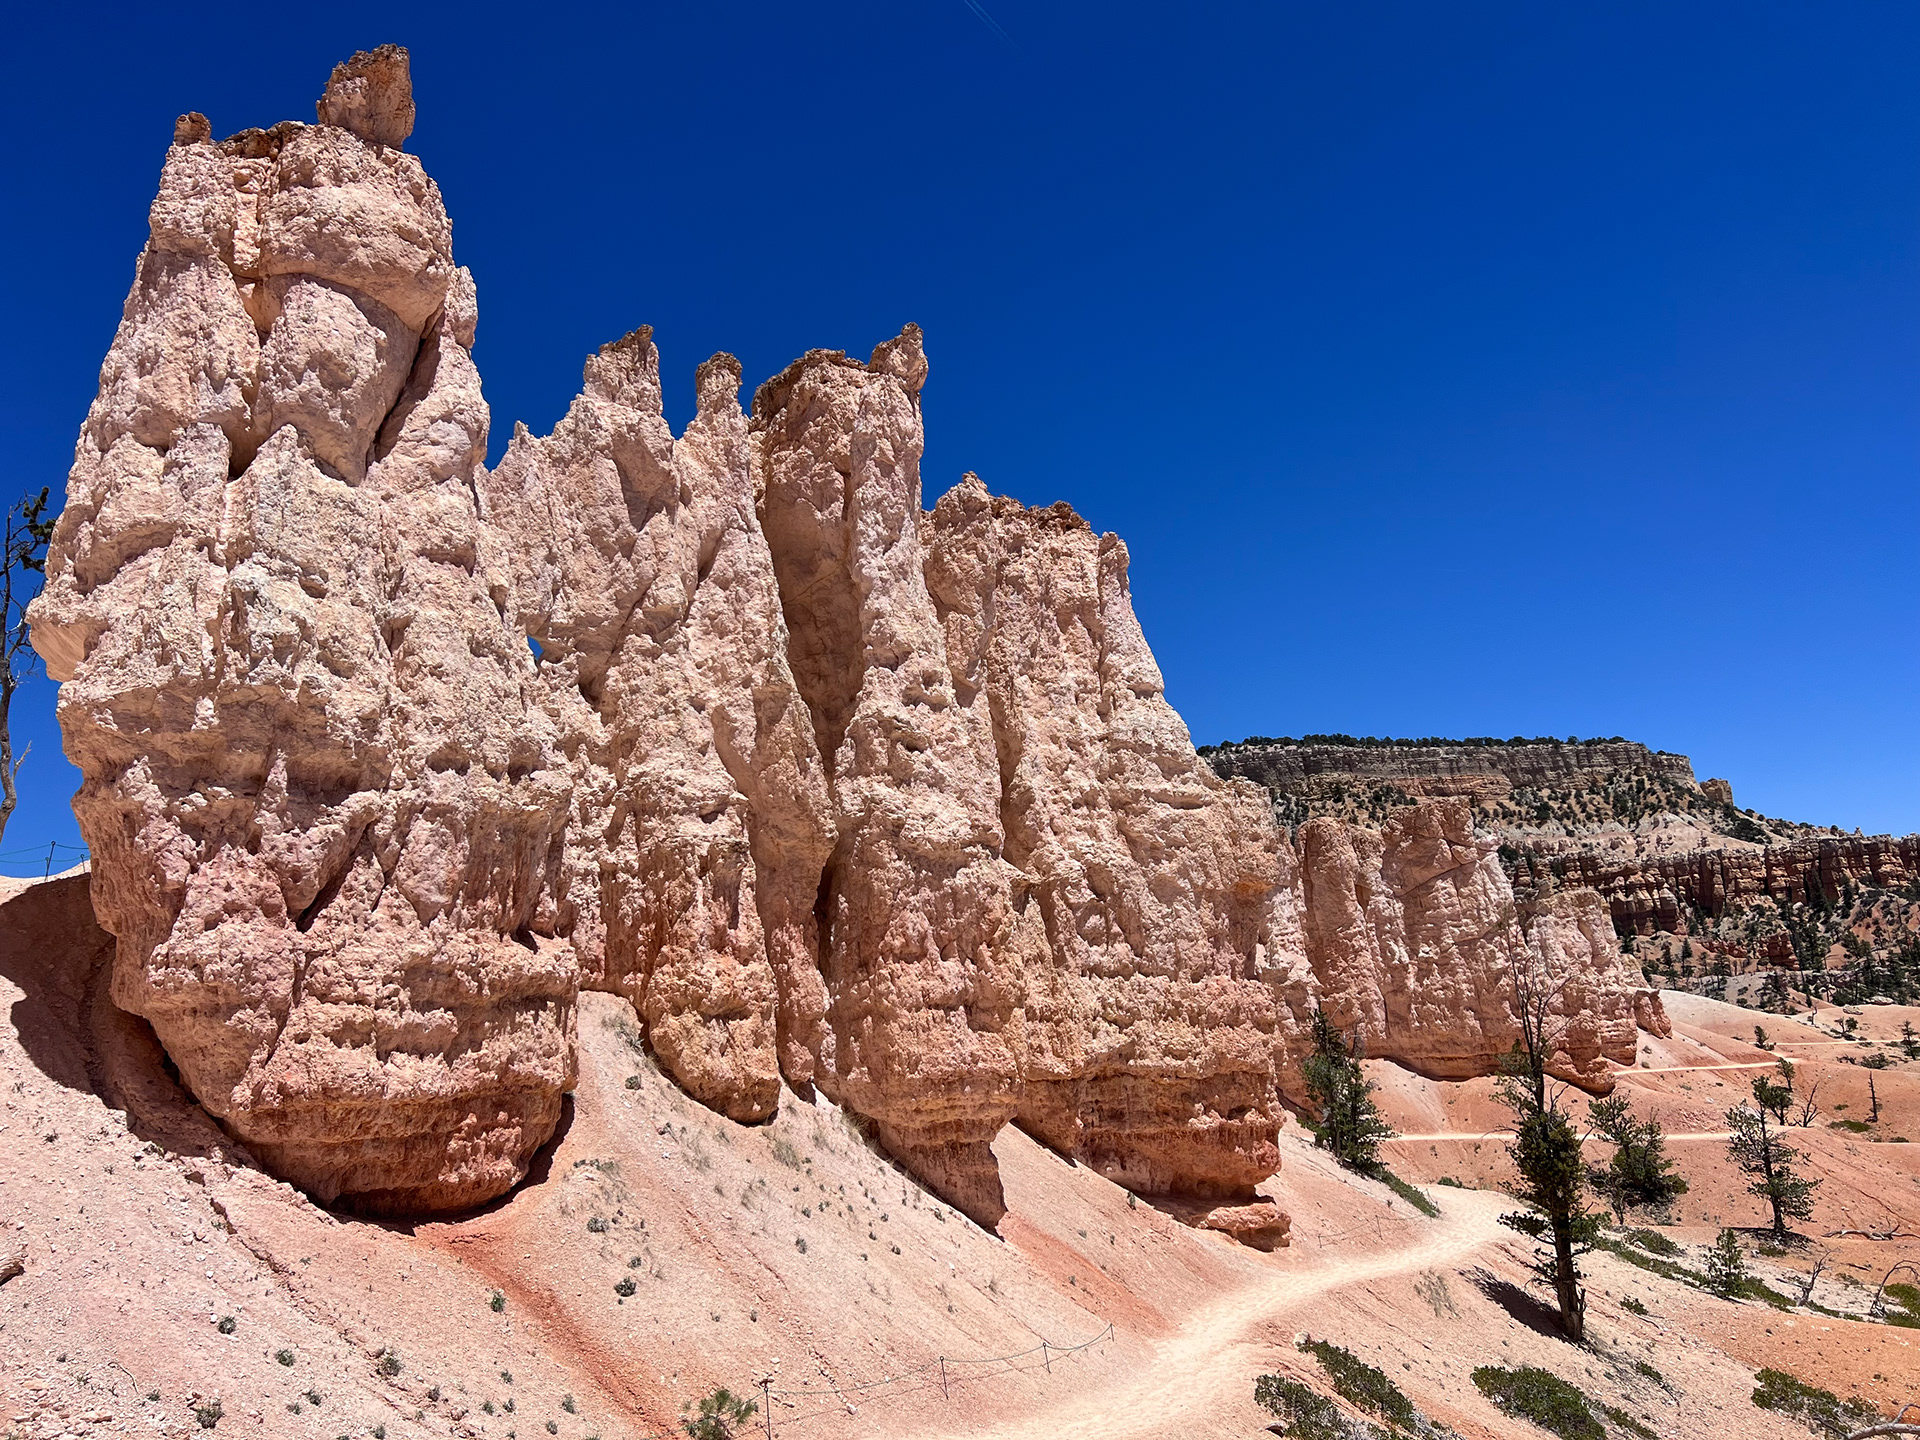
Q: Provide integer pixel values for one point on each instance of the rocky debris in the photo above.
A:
(700, 817)
(13, 1259)
(1259, 1224)
(318, 786)
(386, 757)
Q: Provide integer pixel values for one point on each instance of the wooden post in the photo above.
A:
(944, 1393)
(1043, 1357)
(766, 1402)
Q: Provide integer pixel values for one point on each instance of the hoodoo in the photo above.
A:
(387, 756)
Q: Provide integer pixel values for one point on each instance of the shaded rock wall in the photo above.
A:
(386, 756)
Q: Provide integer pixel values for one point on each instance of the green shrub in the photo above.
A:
(1647, 1372)
(1813, 1407)
(719, 1415)
(1304, 1412)
(1542, 1397)
(597, 1226)
(1632, 1306)
(498, 1302)
(389, 1365)
(625, 1287)
(1406, 1192)
(208, 1414)
(1653, 1242)
(1628, 1423)
(285, 1357)
(1363, 1386)
(227, 1325)
(1726, 1266)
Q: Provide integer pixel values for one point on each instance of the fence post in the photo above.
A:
(1043, 1357)
(766, 1402)
(49, 869)
(944, 1393)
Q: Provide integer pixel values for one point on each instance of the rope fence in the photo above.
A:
(50, 847)
(939, 1370)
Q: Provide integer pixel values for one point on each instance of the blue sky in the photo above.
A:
(1464, 369)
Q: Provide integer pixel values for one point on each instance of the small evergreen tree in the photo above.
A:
(1726, 1266)
(1760, 1152)
(718, 1415)
(1773, 1098)
(1546, 1152)
(1350, 1125)
(1639, 1174)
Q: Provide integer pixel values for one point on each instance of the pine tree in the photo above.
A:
(1349, 1124)
(1639, 1174)
(1726, 1266)
(1546, 1152)
(1760, 1152)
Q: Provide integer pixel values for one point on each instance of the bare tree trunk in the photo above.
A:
(8, 797)
(1566, 1283)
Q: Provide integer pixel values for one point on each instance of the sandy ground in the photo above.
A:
(793, 1262)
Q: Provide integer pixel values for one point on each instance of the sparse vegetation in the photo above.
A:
(1541, 1397)
(389, 1365)
(227, 1325)
(1546, 1151)
(1305, 1413)
(718, 1415)
(1813, 1407)
(596, 1226)
(285, 1357)
(1413, 1195)
(208, 1415)
(1364, 1386)
(1347, 1123)
(1632, 1306)
(1726, 1265)
(497, 1302)
(625, 1287)
(1628, 1422)
(1432, 1288)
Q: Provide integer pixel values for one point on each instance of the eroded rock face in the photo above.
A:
(700, 818)
(386, 756)
(922, 949)
(1414, 934)
(1146, 1038)
(319, 789)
